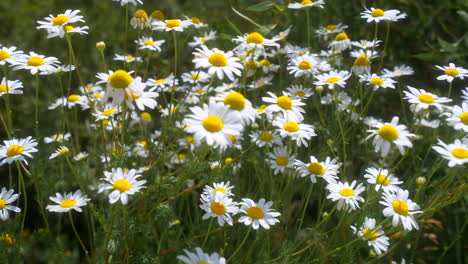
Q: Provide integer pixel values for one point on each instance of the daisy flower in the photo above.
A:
(59, 152)
(422, 100)
(200, 41)
(213, 123)
(328, 169)
(56, 138)
(451, 72)
(201, 257)
(331, 29)
(120, 85)
(149, 43)
(196, 23)
(56, 25)
(6, 198)
(261, 82)
(221, 207)
(127, 58)
(280, 160)
(346, 194)
(361, 65)
(374, 235)
(265, 138)
(68, 201)
(333, 77)
(16, 150)
(80, 156)
(140, 20)
(238, 104)
(366, 44)
(458, 117)
(160, 84)
(300, 91)
(170, 25)
(142, 99)
(369, 54)
(456, 153)
(133, 2)
(387, 133)
(302, 65)
(258, 214)
(376, 15)
(223, 187)
(377, 81)
(341, 42)
(295, 129)
(122, 182)
(382, 179)
(195, 77)
(76, 30)
(9, 55)
(107, 112)
(267, 67)
(36, 63)
(306, 4)
(290, 107)
(398, 71)
(218, 62)
(400, 208)
(10, 87)
(254, 40)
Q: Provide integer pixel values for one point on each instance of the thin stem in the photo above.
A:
(208, 233)
(307, 10)
(305, 207)
(241, 244)
(450, 90)
(36, 109)
(76, 234)
(385, 46)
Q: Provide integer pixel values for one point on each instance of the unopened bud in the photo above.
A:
(421, 180)
(100, 45)
(319, 89)
(330, 141)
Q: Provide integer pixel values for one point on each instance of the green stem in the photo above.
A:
(76, 234)
(208, 233)
(36, 109)
(385, 46)
(241, 244)
(307, 10)
(450, 89)
(305, 207)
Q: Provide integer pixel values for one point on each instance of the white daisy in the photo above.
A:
(465, 94)
(400, 208)
(200, 41)
(127, 58)
(387, 133)
(253, 41)
(201, 257)
(330, 29)
(374, 235)
(148, 43)
(221, 207)
(36, 63)
(377, 81)
(346, 194)
(422, 100)
(107, 112)
(59, 152)
(56, 138)
(218, 62)
(265, 138)
(68, 201)
(80, 156)
(122, 182)
(341, 42)
(458, 117)
(170, 25)
(258, 214)
(398, 71)
(302, 65)
(6, 198)
(133, 2)
(456, 153)
(195, 77)
(382, 179)
(55, 25)
(366, 44)
(290, 107)
(260, 83)
(16, 150)
(10, 87)
(295, 129)
(300, 91)
(223, 187)
(238, 104)
(160, 84)
(328, 169)
(306, 4)
(376, 15)
(267, 67)
(451, 72)
(120, 85)
(140, 20)
(333, 78)
(196, 23)
(280, 160)
(9, 55)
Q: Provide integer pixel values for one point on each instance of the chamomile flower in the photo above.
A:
(68, 201)
(300, 91)
(162, 83)
(302, 65)
(333, 78)
(9, 55)
(107, 112)
(346, 194)
(59, 152)
(265, 138)
(341, 42)
(253, 41)
(200, 41)
(361, 65)
(201, 257)
(219, 206)
(140, 20)
(400, 208)
(76, 30)
(280, 159)
(195, 77)
(331, 29)
(386, 134)
(6, 198)
(366, 44)
(148, 43)
(238, 104)
(80, 156)
(456, 153)
(258, 214)
(376, 15)
(290, 107)
(223, 187)
(56, 25)
(328, 169)
(196, 23)
(57, 138)
(382, 179)
(36, 63)
(374, 235)
(267, 67)
(451, 72)
(133, 2)
(120, 85)
(398, 71)
(261, 82)
(295, 129)
(122, 182)
(10, 87)
(369, 54)
(422, 100)
(458, 117)
(306, 4)
(142, 99)
(170, 25)
(377, 81)
(218, 62)
(17, 150)
(127, 58)
(213, 123)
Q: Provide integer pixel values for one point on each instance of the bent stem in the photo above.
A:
(241, 244)
(77, 235)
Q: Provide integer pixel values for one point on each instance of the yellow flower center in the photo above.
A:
(217, 59)
(330, 27)
(452, 72)
(160, 81)
(382, 179)
(69, 28)
(228, 160)
(64, 151)
(2, 203)
(463, 116)
(255, 212)
(251, 64)
(218, 208)
(306, 2)
(4, 55)
(400, 207)
(388, 132)
(120, 79)
(148, 43)
(4, 88)
(232, 138)
(333, 79)
(181, 156)
(60, 20)
(219, 189)
(316, 168)
(195, 76)
(266, 136)
(108, 112)
(361, 61)
(172, 23)
(369, 234)
(261, 109)
(377, 12)
(204, 39)
(425, 98)
(255, 37)
(14, 150)
(157, 14)
(377, 81)
(304, 65)
(282, 160)
(291, 126)
(299, 93)
(145, 115)
(189, 140)
(202, 262)
(265, 63)
(213, 123)
(460, 153)
(67, 203)
(195, 20)
(347, 192)
(140, 13)
(285, 102)
(73, 98)
(122, 185)
(35, 61)
(129, 58)
(341, 36)
(235, 100)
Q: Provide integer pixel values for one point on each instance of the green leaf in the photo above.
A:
(262, 6)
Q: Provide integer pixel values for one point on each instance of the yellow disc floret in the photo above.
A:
(73, 98)
(35, 61)
(285, 102)
(382, 179)
(266, 136)
(255, 38)
(213, 123)
(463, 116)
(369, 234)
(291, 126)
(140, 13)
(460, 153)
(255, 212)
(218, 208)
(2, 203)
(452, 72)
(377, 81)
(4, 55)
(400, 207)
(122, 185)
(333, 79)
(120, 79)
(235, 100)
(172, 23)
(217, 59)
(377, 12)
(282, 160)
(67, 203)
(307, 2)
(316, 168)
(347, 192)
(426, 98)
(388, 132)
(60, 20)
(4, 88)
(304, 65)
(330, 27)
(341, 36)
(14, 150)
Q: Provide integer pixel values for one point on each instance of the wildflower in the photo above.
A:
(328, 169)
(387, 133)
(195, 77)
(219, 206)
(57, 25)
(458, 117)
(57, 138)
(265, 138)
(76, 30)
(107, 112)
(398, 71)
(306, 4)
(127, 58)
(451, 72)
(341, 42)
(465, 94)
(16, 150)
(346, 194)
(218, 62)
(170, 25)
(331, 29)
(302, 65)
(201, 257)
(374, 235)
(222, 187)
(267, 67)
(295, 129)
(59, 152)
(9, 55)
(376, 15)
(239, 104)
(456, 153)
(253, 41)
(122, 182)
(290, 107)
(36, 63)
(377, 82)
(161, 84)
(120, 85)
(361, 65)
(422, 100)
(133, 2)
(196, 23)
(300, 91)
(382, 179)
(6, 198)
(149, 43)
(9, 239)
(280, 160)
(68, 202)
(369, 54)
(80, 156)
(10, 87)
(140, 20)
(200, 41)
(258, 214)
(333, 77)
(366, 44)
(400, 208)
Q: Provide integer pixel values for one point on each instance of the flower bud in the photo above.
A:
(100, 45)
(421, 180)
